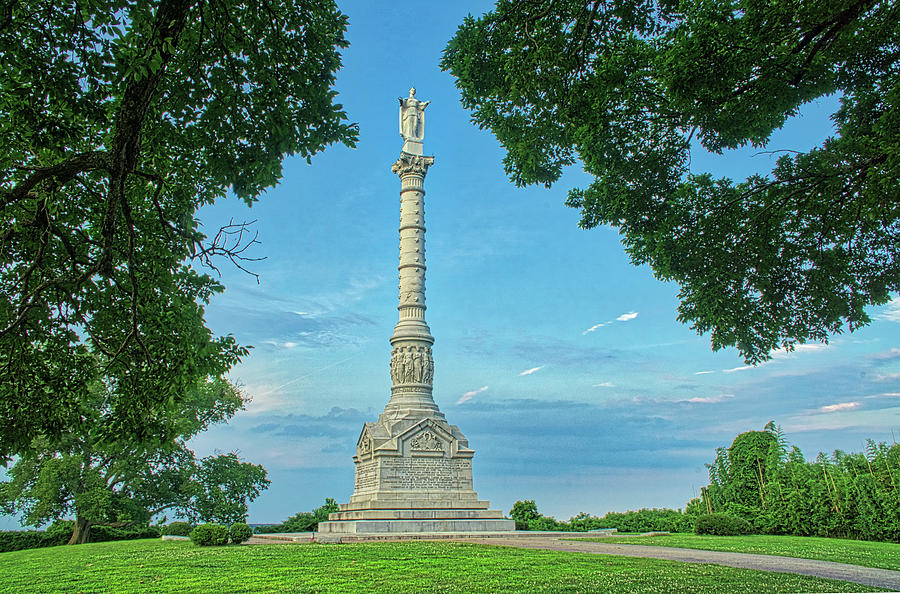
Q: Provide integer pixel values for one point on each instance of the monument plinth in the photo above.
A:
(413, 469)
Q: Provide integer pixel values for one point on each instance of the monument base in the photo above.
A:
(413, 476)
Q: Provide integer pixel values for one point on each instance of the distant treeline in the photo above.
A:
(527, 517)
(763, 480)
(300, 522)
(769, 484)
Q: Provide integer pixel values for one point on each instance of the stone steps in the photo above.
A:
(417, 514)
(412, 526)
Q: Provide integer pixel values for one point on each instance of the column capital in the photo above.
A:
(409, 164)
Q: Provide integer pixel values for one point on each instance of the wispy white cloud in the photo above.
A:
(266, 397)
(622, 318)
(892, 311)
(703, 372)
(532, 370)
(886, 377)
(885, 395)
(709, 399)
(605, 385)
(840, 406)
(888, 355)
(741, 368)
(798, 348)
(470, 395)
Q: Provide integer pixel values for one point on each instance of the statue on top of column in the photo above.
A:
(412, 120)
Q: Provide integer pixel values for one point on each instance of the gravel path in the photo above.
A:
(880, 578)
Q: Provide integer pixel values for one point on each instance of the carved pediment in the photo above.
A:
(428, 435)
(427, 441)
(364, 445)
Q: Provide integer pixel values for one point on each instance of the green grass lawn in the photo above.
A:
(161, 566)
(885, 555)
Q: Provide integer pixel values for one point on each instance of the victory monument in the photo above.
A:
(413, 468)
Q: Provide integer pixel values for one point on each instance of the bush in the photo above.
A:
(17, 540)
(209, 535)
(546, 524)
(108, 533)
(59, 532)
(178, 529)
(721, 525)
(239, 532)
(642, 520)
(100, 533)
(62, 528)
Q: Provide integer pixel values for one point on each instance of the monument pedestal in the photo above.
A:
(413, 476)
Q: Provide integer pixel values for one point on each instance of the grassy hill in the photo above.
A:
(158, 566)
(883, 555)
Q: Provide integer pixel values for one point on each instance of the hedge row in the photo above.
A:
(60, 532)
(215, 535)
(17, 540)
(722, 525)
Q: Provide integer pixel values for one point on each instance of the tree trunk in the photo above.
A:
(82, 531)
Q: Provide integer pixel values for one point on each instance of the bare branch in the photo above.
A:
(230, 241)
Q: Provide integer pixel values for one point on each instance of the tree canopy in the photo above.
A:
(129, 481)
(117, 121)
(763, 480)
(628, 87)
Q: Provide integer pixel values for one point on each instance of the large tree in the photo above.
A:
(118, 119)
(99, 482)
(628, 87)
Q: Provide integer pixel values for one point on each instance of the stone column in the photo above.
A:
(413, 468)
(412, 364)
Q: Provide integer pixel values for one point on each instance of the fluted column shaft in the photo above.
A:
(412, 365)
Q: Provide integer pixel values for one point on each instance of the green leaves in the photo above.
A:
(222, 485)
(627, 88)
(117, 121)
(779, 492)
(127, 480)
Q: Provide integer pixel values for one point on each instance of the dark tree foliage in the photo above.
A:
(125, 483)
(722, 525)
(117, 121)
(779, 492)
(302, 521)
(626, 87)
(524, 512)
(526, 515)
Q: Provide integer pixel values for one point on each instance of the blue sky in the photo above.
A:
(561, 362)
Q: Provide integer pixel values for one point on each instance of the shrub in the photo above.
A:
(523, 513)
(178, 529)
(240, 532)
(721, 525)
(546, 524)
(17, 540)
(209, 535)
(642, 520)
(101, 533)
(59, 532)
(62, 529)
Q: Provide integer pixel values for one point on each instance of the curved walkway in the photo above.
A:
(869, 576)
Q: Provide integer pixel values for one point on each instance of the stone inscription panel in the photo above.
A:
(426, 473)
(365, 476)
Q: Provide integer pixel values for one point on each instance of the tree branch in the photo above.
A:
(61, 172)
